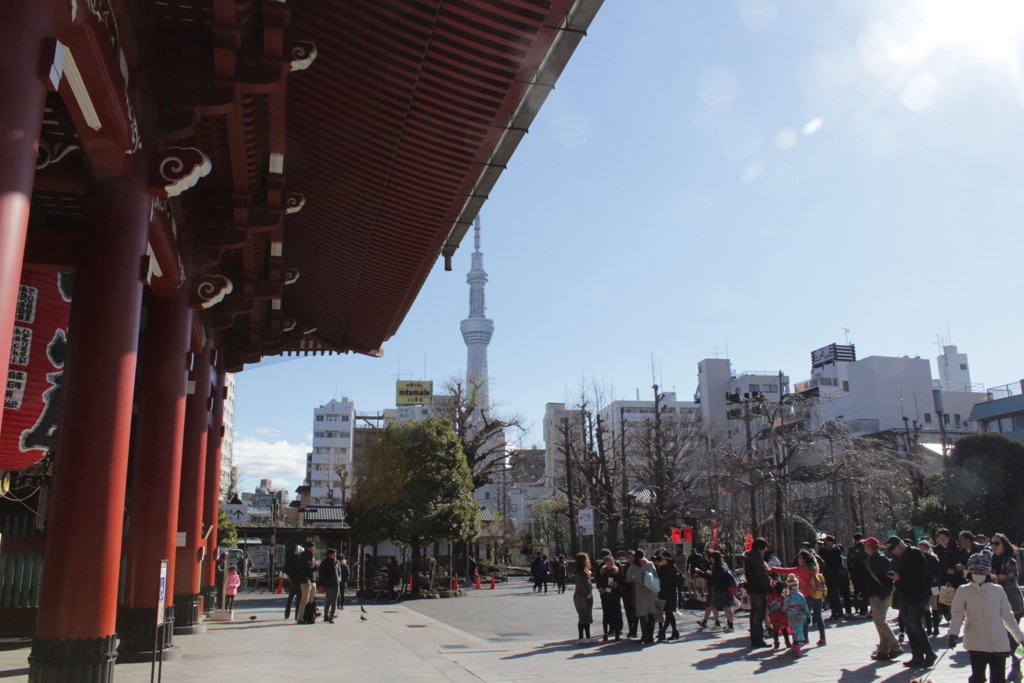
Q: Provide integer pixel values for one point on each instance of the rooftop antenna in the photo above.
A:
(638, 393)
(398, 375)
(847, 331)
(726, 348)
(715, 348)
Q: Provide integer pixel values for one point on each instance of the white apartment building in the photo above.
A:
(720, 394)
(332, 454)
(630, 415)
(228, 470)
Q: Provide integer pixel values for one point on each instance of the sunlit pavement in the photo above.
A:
(507, 634)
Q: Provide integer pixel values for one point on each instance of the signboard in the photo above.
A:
(586, 529)
(182, 539)
(586, 517)
(36, 368)
(237, 512)
(261, 557)
(677, 535)
(408, 393)
(833, 353)
(162, 599)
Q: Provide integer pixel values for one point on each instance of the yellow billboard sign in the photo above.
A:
(408, 393)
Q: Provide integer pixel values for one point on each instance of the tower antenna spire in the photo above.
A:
(477, 329)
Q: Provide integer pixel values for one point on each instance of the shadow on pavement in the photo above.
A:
(11, 673)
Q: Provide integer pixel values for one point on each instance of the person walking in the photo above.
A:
(948, 553)
(535, 573)
(291, 570)
(812, 586)
(913, 593)
(609, 586)
(343, 578)
(559, 571)
(542, 574)
(758, 587)
(837, 578)
(879, 595)
(669, 579)
(1004, 573)
(307, 566)
(642, 575)
(329, 574)
(986, 609)
(231, 588)
(856, 561)
(719, 595)
(932, 616)
(391, 567)
(628, 591)
(583, 598)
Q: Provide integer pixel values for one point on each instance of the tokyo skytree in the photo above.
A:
(477, 328)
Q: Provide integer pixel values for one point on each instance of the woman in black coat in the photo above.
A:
(669, 578)
(609, 586)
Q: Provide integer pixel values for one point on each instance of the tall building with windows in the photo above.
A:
(228, 468)
(329, 470)
(477, 329)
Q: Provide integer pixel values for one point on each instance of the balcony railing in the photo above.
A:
(862, 426)
(1006, 390)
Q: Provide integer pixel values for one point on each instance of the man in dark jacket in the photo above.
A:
(836, 577)
(758, 587)
(913, 592)
(856, 561)
(968, 547)
(878, 591)
(330, 579)
(949, 557)
(291, 570)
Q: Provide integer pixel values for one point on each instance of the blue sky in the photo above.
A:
(756, 174)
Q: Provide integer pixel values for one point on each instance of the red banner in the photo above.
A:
(748, 541)
(36, 370)
(677, 535)
(688, 534)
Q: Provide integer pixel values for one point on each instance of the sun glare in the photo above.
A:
(992, 26)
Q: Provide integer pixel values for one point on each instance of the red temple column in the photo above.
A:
(211, 500)
(190, 504)
(156, 477)
(23, 30)
(75, 631)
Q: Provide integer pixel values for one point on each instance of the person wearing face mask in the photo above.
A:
(986, 610)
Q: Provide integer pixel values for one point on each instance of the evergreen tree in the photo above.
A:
(984, 484)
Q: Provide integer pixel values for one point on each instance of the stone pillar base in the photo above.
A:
(186, 615)
(88, 660)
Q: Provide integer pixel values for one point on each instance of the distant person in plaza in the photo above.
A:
(542, 573)
(719, 596)
(812, 586)
(913, 593)
(609, 583)
(307, 566)
(986, 609)
(948, 553)
(758, 586)
(231, 588)
(646, 604)
(679, 559)
(932, 616)
(330, 580)
(393, 577)
(796, 612)
(583, 598)
(535, 573)
(878, 591)
(559, 571)
(837, 578)
(344, 574)
(369, 569)
(291, 570)
(670, 579)
(856, 560)
(219, 567)
(628, 591)
(1004, 573)
(777, 618)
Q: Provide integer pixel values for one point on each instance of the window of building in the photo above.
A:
(956, 419)
(515, 508)
(754, 387)
(945, 418)
(1005, 425)
(318, 435)
(846, 385)
(487, 495)
(332, 418)
(424, 412)
(963, 366)
(771, 388)
(927, 418)
(319, 418)
(1018, 423)
(344, 418)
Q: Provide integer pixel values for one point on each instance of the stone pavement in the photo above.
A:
(510, 635)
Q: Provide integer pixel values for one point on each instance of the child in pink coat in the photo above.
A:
(231, 589)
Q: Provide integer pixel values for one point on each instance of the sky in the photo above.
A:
(738, 178)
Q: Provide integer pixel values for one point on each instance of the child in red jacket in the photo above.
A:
(777, 613)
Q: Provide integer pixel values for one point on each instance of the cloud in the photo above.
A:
(279, 460)
(266, 431)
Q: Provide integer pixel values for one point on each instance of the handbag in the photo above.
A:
(651, 582)
(946, 594)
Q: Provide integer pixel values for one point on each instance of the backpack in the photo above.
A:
(818, 586)
(734, 582)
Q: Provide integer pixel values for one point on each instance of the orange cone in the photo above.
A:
(477, 582)
(455, 583)
(494, 586)
(410, 583)
(280, 584)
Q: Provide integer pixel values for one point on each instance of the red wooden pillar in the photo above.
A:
(212, 493)
(23, 28)
(190, 504)
(75, 637)
(156, 477)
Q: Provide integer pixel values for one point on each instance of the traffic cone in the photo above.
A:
(410, 583)
(455, 583)
(494, 586)
(477, 582)
(280, 584)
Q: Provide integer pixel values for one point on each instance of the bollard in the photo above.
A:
(494, 586)
(280, 584)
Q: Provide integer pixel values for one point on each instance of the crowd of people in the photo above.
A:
(304, 573)
(970, 583)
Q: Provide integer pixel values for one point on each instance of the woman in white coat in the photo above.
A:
(645, 600)
(987, 611)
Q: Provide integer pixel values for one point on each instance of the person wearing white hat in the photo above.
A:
(986, 610)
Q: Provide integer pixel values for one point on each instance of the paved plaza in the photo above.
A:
(508, 634)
